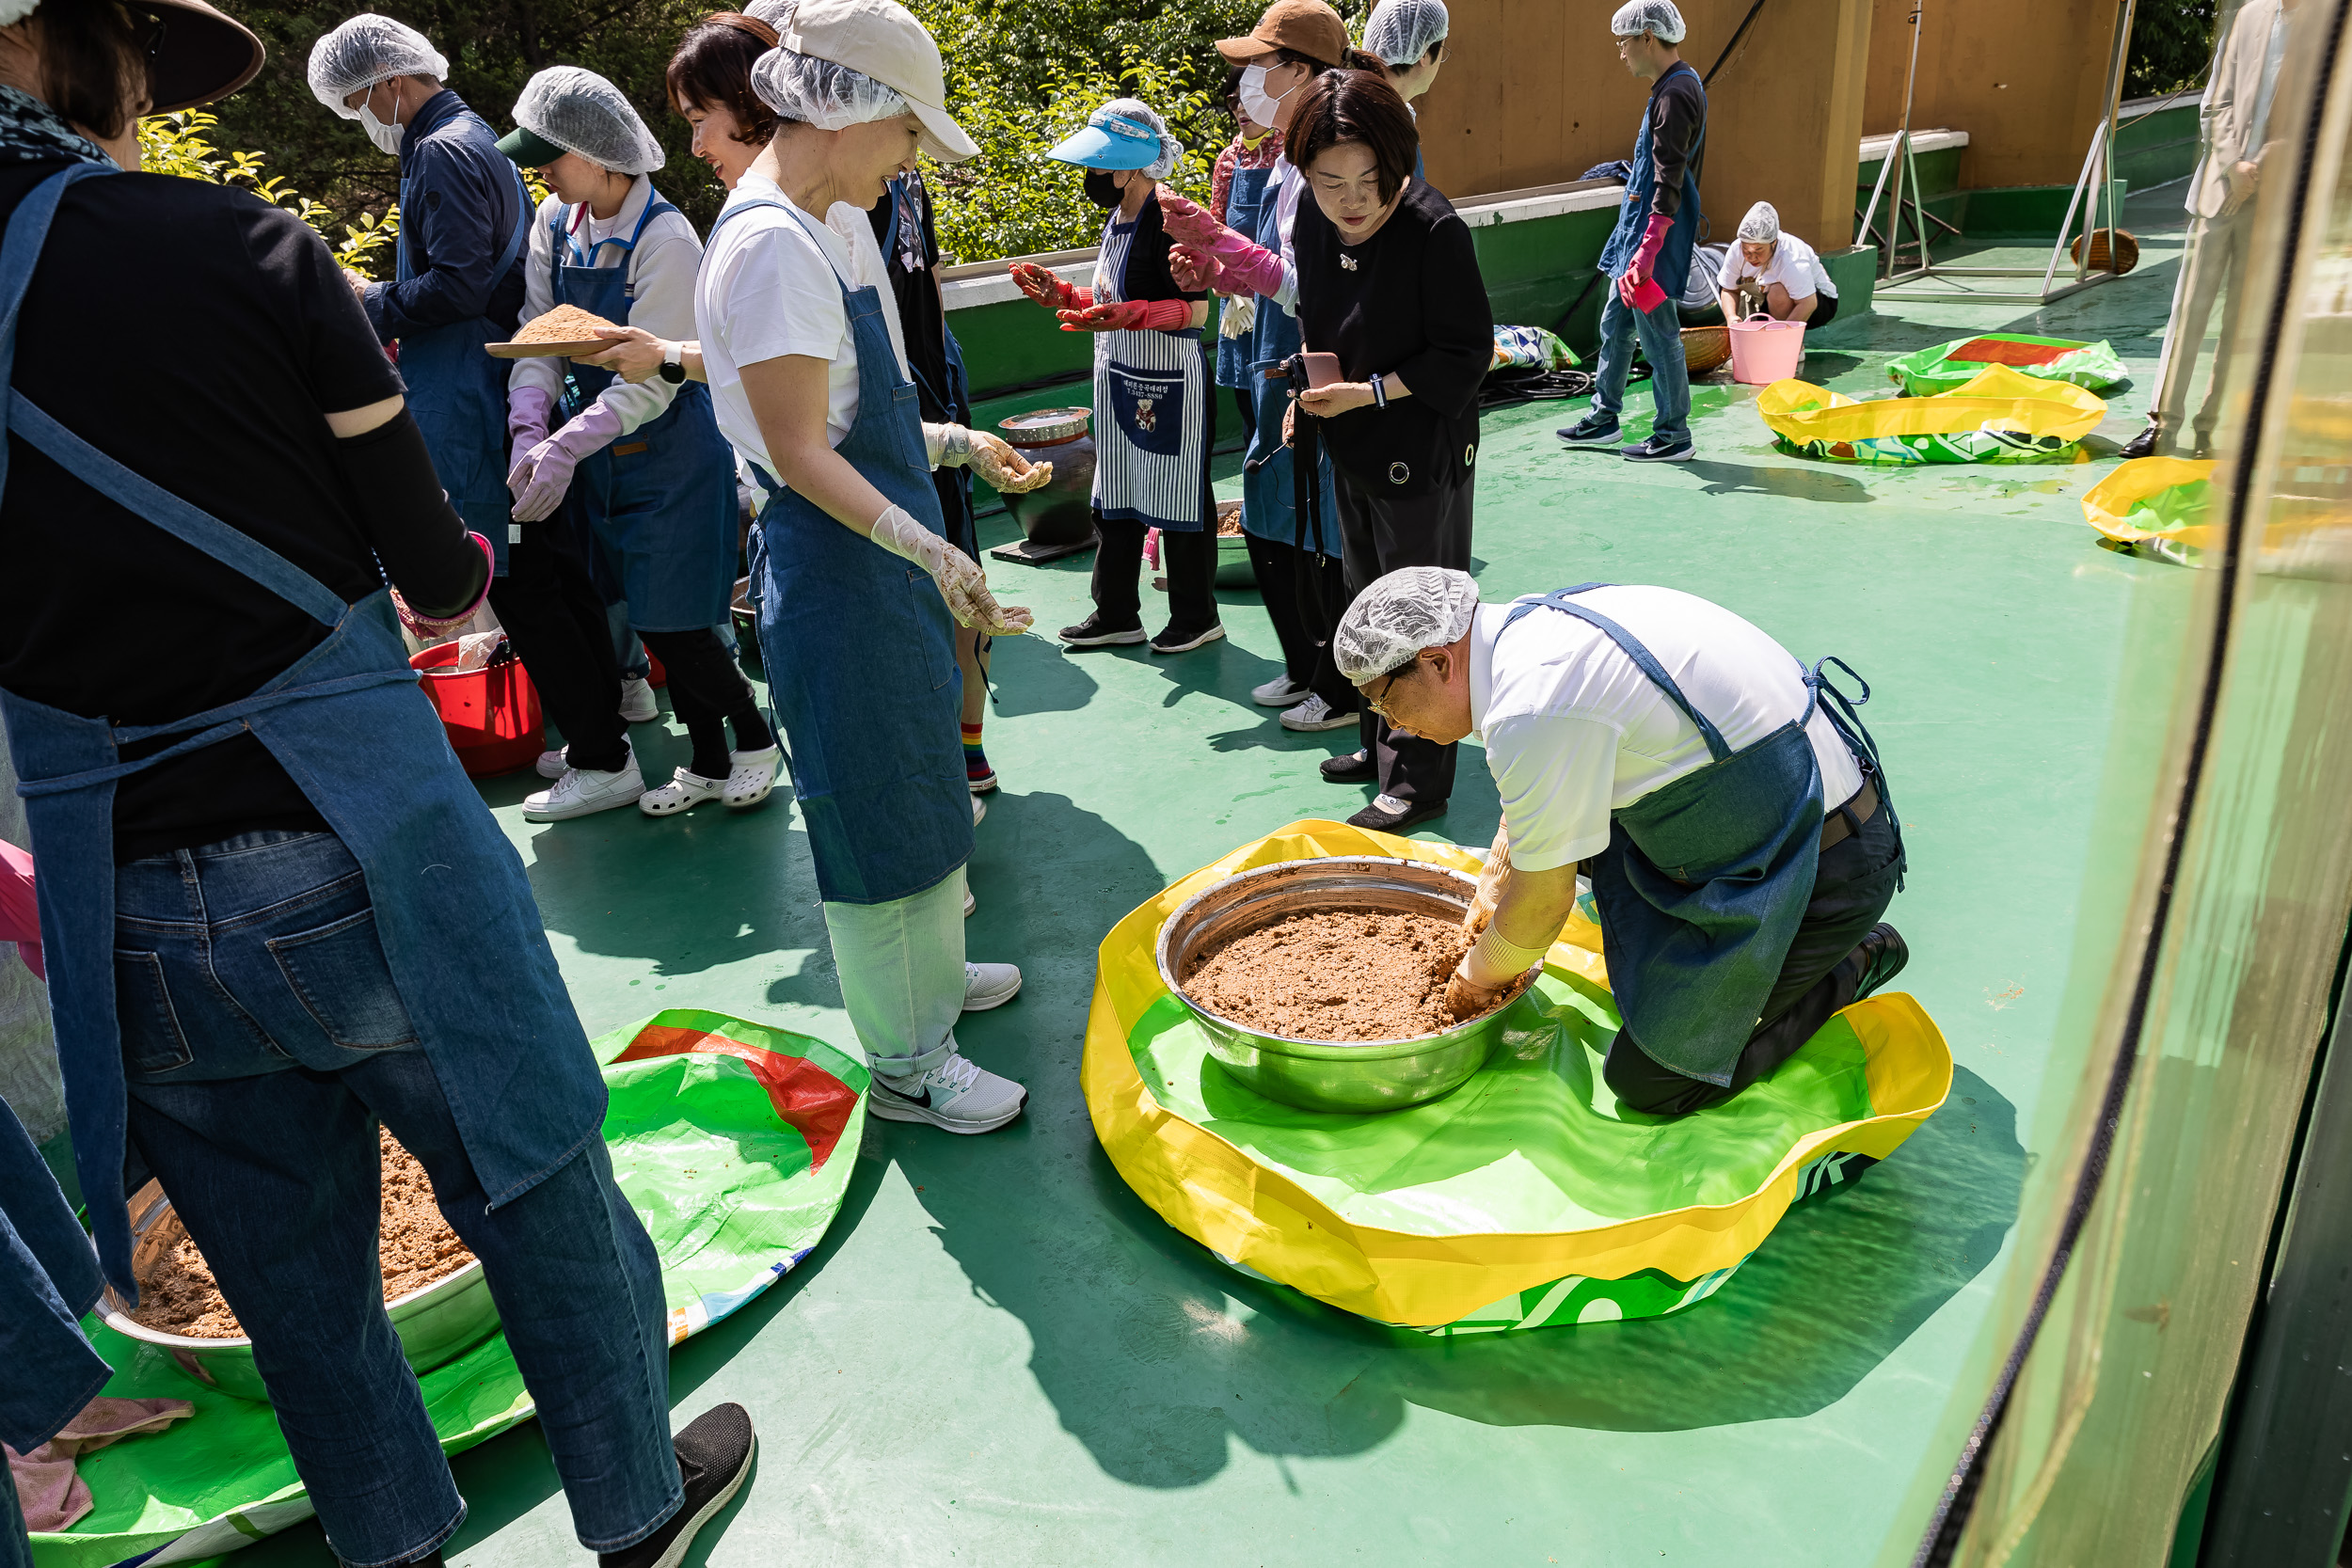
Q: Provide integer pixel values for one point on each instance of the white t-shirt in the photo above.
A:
(1574, 730)
(1796, 266)
(1285, 184)
(661, 271)
(769, 286)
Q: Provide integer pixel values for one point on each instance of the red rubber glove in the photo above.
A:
(1130, 315)
(1646, 254)
(1049, 291)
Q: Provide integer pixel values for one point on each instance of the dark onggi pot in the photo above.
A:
(1062, 512)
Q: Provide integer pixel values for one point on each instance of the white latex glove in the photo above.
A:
(960, 580)
(995, 460)
(1491, 883)
(1239, 316)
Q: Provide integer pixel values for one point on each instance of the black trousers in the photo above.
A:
(1187, 560)
(1304, 601)
(1383, 534)
(706, 692)
(555, 618)
(1819, 975)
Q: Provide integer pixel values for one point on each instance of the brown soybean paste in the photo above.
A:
(1335, 974)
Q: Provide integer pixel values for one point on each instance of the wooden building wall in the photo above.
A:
(2024, 78)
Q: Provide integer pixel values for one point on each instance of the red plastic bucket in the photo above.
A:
(492, 715)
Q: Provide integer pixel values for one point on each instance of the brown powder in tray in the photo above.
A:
(177, 1294)
(1335, 974)
(566, 324)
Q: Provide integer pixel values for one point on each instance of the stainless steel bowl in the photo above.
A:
(1043, 426)
(1330, 1075)
(435, 1323)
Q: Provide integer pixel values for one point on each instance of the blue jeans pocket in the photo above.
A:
(342, 979)
(152, 1040)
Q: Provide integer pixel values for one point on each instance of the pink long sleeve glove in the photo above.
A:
(1130, 315)
(1634, 285)
(19, 910)
(1209, 255)
(544, 472)
(529, 410)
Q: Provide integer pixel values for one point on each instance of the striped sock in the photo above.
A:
(974, 760)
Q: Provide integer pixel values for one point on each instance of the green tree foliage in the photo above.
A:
(180, 144)
(2172, 47)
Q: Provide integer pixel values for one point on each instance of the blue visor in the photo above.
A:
(1113, 142)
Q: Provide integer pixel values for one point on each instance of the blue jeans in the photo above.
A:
(1661, 332)
(264, 1039)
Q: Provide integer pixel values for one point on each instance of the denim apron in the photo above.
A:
(1268, 508)
(452, 906)
(1151, 410)
(1705, 879)
(1242, 200)
(1673, 259)
(458, 394)
(48, 1280)
(660, 499)
(860, 649)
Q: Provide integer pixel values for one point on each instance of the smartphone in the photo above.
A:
(1322, 369)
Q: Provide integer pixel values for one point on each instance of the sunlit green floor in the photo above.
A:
(1000, 1356)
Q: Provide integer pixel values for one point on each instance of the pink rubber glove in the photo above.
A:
(1130, 315)
(1646, 254)
(528, 411)
(437, 629)
(1194, 270)
(1187, 221)
(544, 472)
(1049, 291)
(20, 910)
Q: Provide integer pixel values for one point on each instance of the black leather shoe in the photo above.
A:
(2149, 442)
(1883, 955)
(1380, 819)
(1355, 767)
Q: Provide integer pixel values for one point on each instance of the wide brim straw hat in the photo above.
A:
(205, 55)
(883, 39)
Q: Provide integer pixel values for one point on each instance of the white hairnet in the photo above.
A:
(821, 93)
(1135, 109)
(364, 51)
(1656, 17)
(1401, 31)
(1410, 610)
(776, 13)
(1761, 225)
(581, 112)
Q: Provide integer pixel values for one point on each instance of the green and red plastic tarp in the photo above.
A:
(1947, 367)
(733, 1141)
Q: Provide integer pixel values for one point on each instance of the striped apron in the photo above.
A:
(1151, 413)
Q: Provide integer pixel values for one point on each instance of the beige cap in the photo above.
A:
(205, 54)
(883, 39)
(1307, 27)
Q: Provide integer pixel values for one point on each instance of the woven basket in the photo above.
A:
(1705, 347)
(2127, 249)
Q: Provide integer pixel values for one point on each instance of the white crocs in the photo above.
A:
(684, 792)
(752, 777)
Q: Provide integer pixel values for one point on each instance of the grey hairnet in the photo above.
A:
(364, 51)
(1761, 225)
(581, 112)
(1656, 17)
(1401, 31)
(821, 93)
(1416, 608)
(1135, 108)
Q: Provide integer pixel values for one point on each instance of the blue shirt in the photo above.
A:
(461, 207)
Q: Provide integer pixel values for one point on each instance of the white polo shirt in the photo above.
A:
(1574, 730)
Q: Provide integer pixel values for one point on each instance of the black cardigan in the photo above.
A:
(1413, 305)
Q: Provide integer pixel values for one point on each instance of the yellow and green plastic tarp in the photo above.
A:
(1999, 415)
(2155, 506)
(1525, 1198)
(733, 1141)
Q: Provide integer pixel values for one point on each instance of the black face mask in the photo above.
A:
(1100, 190)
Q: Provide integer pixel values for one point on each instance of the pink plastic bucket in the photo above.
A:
(1764, 351)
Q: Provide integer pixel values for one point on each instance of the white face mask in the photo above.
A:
(387, 137)
(1254, 103)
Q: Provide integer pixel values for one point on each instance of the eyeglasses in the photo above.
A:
(1379, 704)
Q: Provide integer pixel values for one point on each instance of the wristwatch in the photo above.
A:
(673, 364)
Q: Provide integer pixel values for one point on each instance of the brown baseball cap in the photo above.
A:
(1307, 27)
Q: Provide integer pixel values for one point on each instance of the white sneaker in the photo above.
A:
(684, 792)
(959, 1095)
(637, 703)
(1281, 691)
(752, 777)
(551, 764)
(987, 986)
(1316, 714)
(581, 792)
(979, 809)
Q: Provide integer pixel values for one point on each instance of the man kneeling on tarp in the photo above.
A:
(1735, 827)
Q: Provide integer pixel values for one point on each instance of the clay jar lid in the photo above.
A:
(1045, 427)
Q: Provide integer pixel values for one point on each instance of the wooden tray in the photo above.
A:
(549, 351)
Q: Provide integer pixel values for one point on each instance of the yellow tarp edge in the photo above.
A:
(2000, 399)
(2109, 502)
(1213, 1193)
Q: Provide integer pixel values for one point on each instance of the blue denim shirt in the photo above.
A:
(461, 206)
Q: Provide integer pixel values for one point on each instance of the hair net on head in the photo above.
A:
(1417, 608)
(1401, 31)
(364, 51)
(1656, 17)
(776, 13)
(1135, 109)
(1761, 225)
(582, 112)
(821, 93)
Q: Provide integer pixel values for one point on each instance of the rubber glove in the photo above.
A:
(960, 580)
(1049, 291)
(529, 412)
(1196, 272)
(1130, 315)
(435, 629)
(539, 479)
(953, 446)
(19, 910)
(1189, 222)
(1226, 262)
(1491, 883)
(1239, 315)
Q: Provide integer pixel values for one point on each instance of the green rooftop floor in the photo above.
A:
(999, 1355)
